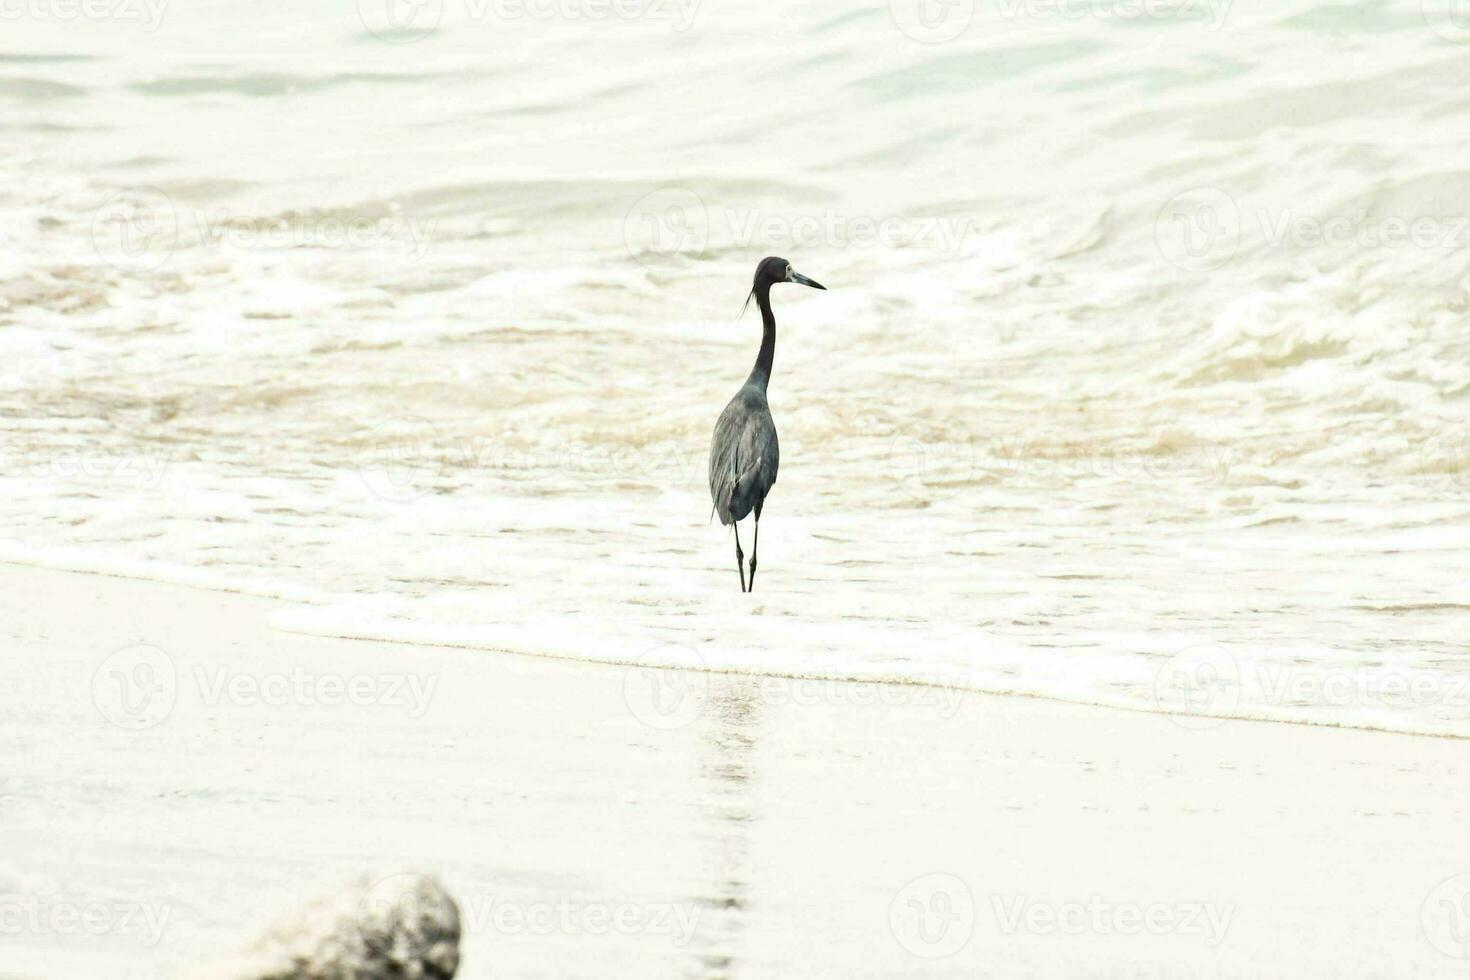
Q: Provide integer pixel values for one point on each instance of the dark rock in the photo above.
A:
(403, 927)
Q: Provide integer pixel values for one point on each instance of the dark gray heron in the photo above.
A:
(744, 454)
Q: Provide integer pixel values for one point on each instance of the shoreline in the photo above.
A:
(294, 599)
(710, 811)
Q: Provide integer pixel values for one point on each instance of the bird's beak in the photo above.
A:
(797, 277)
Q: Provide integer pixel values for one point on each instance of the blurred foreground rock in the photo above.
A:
(403, 927)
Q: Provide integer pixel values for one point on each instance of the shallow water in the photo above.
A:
(1139, 380)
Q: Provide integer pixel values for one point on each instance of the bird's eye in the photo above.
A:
(788, 272)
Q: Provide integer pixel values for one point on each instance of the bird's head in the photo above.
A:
(773, 270)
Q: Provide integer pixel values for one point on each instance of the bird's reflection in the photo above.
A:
(727, 773)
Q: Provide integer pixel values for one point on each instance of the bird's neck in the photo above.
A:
(760, 375)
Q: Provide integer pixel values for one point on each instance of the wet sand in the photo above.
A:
(595, 820)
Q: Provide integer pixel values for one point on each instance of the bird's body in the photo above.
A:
(744, 453)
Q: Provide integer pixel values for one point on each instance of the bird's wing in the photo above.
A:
(744, 456)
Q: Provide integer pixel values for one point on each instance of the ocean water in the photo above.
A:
(1140, 377)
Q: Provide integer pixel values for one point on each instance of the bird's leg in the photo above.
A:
(739, 555)
(754, 549)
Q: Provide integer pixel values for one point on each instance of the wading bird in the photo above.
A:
(744, 455)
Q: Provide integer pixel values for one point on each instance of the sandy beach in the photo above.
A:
(360, 369)
(606, 821)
